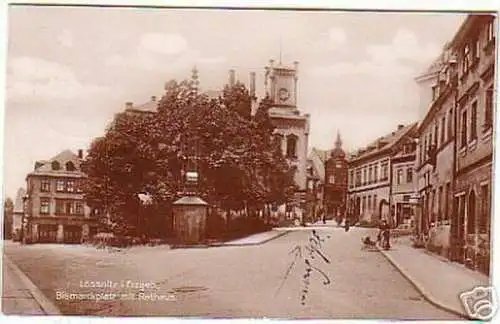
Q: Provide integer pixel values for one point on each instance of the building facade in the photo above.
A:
(18, 213)
(55, 207)
(474, 47)
(403, 183)
(335, 186)
(369, 181)
(435, 154)
(292, 127)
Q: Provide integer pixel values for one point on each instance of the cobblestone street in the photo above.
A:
(230, 281)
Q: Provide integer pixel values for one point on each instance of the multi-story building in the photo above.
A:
(435, 153)
(18, 213)
(56, 211)
(314, 194)
(291, 127)
(474, 46)
(316, 178)
(403, 183)
(369, 181)
(335, 186)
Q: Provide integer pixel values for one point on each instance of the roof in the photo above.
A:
(318, 159)
(435, 67)
(190, 200)
(213, 94)
(149, 106)
(390, 140)
(45, 167)
(19, 203)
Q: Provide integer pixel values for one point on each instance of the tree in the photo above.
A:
(238, 163)
(8, 212)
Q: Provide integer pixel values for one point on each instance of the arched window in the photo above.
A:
(471, 213)
(56, 165)
(70, 166)
(291, 146)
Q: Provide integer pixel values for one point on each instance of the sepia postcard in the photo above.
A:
(238, 163)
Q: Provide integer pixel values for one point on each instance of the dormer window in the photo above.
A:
(56, 166)
(70, 166)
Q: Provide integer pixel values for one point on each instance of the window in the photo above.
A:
(370, 170)
(60, 185)
(351, 178)
(424, 152)
(409, 175)
(443, 130)
(369, 202)
(463, 131)
(331, 179)
(278, 139)
(44, 206)
(471, 214)
(488, 109)
(385, 171)
(375, 173)
(450, 124)
(79, 208)
(434, 92)
(291, 146)
(358, 177)
(440, 204)
(45, 185)
(59, 207)
(364, 204)
(374, 201)
(447, 193)
(485, 209)
(399, 176)
(70, 186)
(70, 208)
(473, 121)
(466, 61)
(364, 176)
(436, 134)
(56, 166)
(477, 50)
(70, 166)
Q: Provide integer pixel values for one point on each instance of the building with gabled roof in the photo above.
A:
(55, 206)
(370, 181)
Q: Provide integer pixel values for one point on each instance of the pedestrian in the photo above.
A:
(384, 235)
(346, 225)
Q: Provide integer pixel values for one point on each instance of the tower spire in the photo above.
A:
(281, 49)
(194, 80)
(338, 142)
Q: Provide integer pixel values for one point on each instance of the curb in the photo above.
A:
(427, 296)
(45, 304)
(227, 244)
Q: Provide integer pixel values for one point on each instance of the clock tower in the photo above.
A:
(281, 85)
(291, 127)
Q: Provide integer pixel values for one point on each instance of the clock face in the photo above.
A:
(283, 94)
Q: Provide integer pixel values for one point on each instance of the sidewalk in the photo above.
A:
(255, 239)
(440, 281)
(20, 296)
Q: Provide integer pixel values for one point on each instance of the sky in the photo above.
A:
(69, 69)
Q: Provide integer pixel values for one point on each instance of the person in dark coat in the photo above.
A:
(346, 225)
(384, 235)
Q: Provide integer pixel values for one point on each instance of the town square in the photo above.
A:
(222, 163)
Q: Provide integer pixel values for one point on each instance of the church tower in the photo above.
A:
(335, 190)
(292, 127)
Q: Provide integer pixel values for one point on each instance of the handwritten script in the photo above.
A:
(309, 254)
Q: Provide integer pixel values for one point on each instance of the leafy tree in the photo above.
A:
(8, 211)
(238, 163)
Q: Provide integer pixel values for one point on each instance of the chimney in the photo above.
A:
(232, 77)
(400, 126)
(153, 98)
(80, 154)
(128, 105)
(252, 84)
